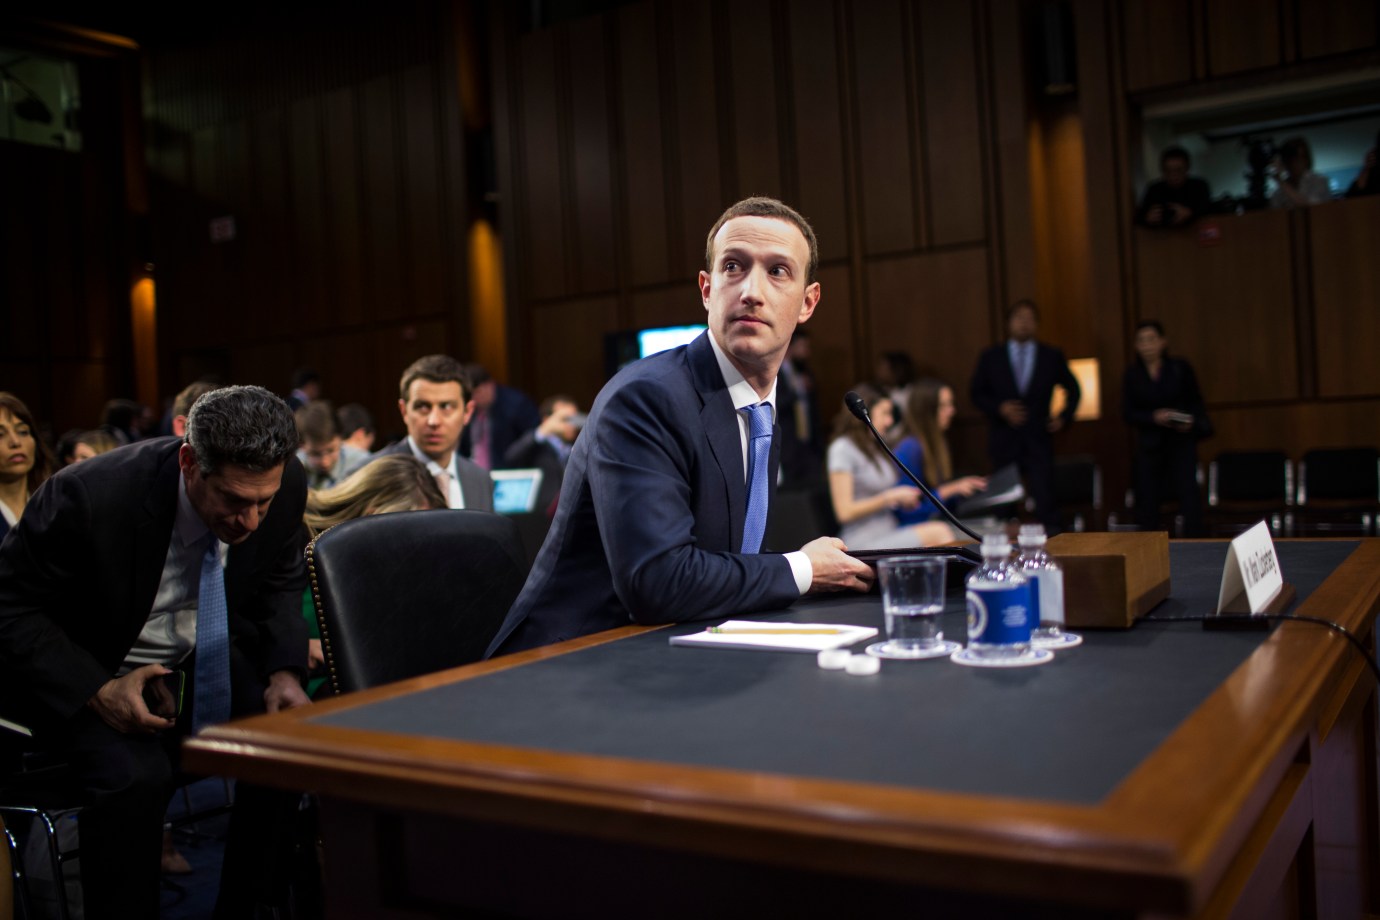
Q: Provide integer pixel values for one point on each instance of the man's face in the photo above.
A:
(1174, 171)
(322, 455)
(561, 422)
(1022, 325)
(435, 414)
(757, 292)
(233, 501)
(484, 394)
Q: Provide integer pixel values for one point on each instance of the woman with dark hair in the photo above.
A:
(1162, 403)
(25, 463)
(862, 483)
(925, 451)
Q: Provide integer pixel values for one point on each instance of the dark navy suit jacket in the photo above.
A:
(650, 520)
(994, 382)
(79, 574)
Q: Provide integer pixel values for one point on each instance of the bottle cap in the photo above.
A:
(863, 665)
(995, 544)
(833, 659)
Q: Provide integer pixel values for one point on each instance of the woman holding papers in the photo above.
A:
(1163, 405)
(862, 484)
(925, 451)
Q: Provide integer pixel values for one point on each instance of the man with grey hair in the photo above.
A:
(164, 556)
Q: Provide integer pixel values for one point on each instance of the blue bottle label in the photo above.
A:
(999, 616)
(1035, 592)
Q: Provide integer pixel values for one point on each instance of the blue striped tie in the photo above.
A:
(211, 686)
(759, 460)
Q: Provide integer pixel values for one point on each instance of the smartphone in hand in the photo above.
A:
(163, 694)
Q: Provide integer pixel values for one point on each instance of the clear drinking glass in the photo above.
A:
(912, 599)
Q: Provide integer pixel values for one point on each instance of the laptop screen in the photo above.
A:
(515, 491)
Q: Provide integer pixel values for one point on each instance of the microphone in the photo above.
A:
(855, 405)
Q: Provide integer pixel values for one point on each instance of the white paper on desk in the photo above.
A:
(787, 642)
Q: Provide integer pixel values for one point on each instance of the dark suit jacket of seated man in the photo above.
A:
(78, 580)
(649, 527)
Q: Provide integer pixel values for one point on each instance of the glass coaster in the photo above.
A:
(943, 650)
(1033, 657)
(1064, 640)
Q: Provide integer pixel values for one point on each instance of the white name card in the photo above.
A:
(1251, 577)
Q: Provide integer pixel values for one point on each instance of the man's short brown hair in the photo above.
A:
(316, 423)
(183, 402)
(758, 206)
(437, 369)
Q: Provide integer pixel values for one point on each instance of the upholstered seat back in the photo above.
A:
(404, 594)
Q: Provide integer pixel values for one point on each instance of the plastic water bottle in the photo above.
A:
(999, 603)
(1047, 586)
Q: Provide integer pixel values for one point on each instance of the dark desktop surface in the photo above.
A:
(1068, 731)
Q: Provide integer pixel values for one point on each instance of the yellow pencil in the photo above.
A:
(785, 631)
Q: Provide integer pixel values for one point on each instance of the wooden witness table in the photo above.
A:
(499, 787)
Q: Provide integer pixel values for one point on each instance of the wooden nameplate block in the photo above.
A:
(1111, 579)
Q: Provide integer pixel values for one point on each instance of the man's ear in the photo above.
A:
(186, 460)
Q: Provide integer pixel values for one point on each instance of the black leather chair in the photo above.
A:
(1339, 491)
(1078, 491)
(404, 594)
(1247, 486)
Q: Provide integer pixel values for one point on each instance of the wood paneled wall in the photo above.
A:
(632, 130)
(337, 149)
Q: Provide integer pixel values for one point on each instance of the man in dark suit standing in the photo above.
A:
(436, 402)
(501, 416)
(1012, 386)
(161, 555)
(668, 488)
(547, 447)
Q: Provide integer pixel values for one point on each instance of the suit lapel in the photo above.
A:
(721, 428)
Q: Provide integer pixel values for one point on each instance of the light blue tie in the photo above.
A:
(211, 686)
(1024, 365)
(759, 461)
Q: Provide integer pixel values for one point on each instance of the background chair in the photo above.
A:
(1339, 491)
(797, 516)
(403, 594)
(1078, 491)
(1247, 486)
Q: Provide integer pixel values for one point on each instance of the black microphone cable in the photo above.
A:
(855, 405)
(1246, 619)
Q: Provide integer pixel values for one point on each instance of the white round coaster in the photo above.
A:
(833, 659)
(1065, 640)
(862, 666)
(1029, 659)
(943, 650)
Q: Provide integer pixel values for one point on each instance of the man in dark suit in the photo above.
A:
(501, 416)
(161, 555)
(1012, 386)
(547, 447)
(668, 487)
(436, 402)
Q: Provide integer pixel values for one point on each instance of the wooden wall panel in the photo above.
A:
(308, 205)
(832, 347)
(1243, 35)
(383, 226)
(268, 244)
(1228, 307)
(596, 261)
(344, 206)
(424, 196)
(953, 134)
(645, 210)
(698, 152)
(756, 105)
(932, 305)
(559, 368)
(1294, 428)
(885, 154)
(230, 258)
(819, 131)
(540, 209)
(1157, 38)
(1014, 273)
(1344, 237)
(672, 305)
(67, 247)
(1337, 26)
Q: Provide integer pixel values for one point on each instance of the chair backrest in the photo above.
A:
(1340, 474)
(1077, 481)
(797, 516)
(1251, 476)
(404, 594)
